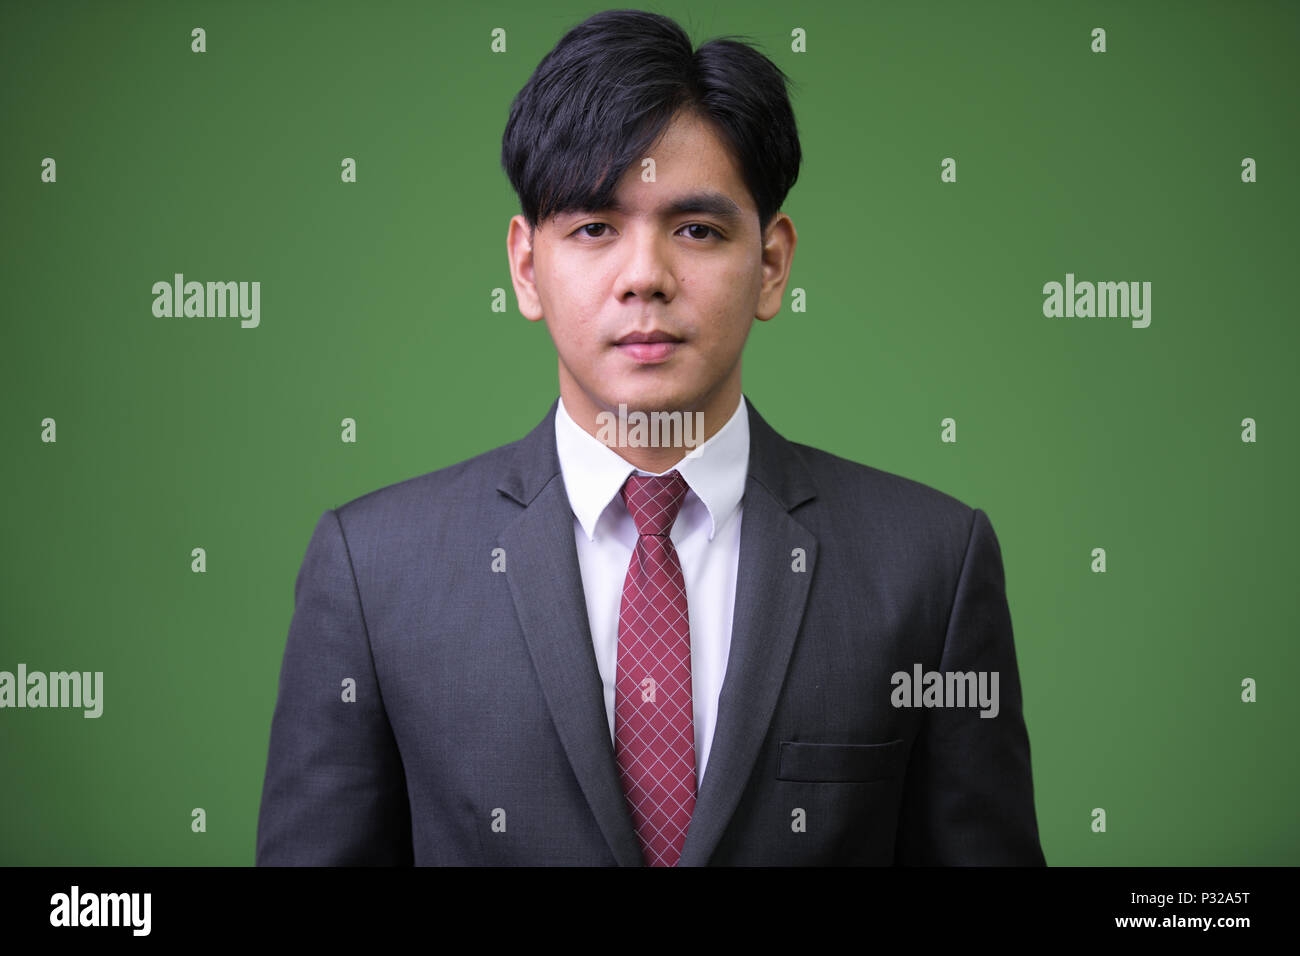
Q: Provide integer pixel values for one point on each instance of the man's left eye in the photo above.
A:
(700, 225)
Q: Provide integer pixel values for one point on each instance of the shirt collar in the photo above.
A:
(594, 473)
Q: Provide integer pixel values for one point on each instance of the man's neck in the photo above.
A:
(651, 449)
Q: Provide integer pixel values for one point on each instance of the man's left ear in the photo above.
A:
(779, 241)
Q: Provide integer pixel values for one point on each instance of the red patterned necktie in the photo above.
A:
(654, 726)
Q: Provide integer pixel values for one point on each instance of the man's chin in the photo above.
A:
(641, 399)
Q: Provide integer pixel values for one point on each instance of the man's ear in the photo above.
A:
(779, 240)
(519, 252)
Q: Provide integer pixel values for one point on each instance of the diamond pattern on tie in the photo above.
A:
(654, 725)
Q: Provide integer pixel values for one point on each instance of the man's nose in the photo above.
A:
(647, 266)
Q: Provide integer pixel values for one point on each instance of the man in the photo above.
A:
(580, 648)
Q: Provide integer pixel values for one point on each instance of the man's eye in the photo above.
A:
(700, 225)
(582, 230)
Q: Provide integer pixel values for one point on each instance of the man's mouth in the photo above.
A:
(648, 347)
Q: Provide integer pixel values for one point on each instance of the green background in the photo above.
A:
(924, 301)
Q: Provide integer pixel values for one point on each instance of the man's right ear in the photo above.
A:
(519, 252)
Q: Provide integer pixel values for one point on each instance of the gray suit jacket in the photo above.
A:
(478, 733)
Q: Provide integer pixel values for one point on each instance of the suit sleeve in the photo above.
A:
(335, 791)
(969, 796)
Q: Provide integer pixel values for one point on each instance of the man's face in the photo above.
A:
(660, 264)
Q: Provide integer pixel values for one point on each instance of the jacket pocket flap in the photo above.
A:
(840, 763)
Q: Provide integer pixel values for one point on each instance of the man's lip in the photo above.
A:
(647, 338)
(649, 353)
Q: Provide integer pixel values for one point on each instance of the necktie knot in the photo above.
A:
(654, 500)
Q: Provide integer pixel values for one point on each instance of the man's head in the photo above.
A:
(650, 176)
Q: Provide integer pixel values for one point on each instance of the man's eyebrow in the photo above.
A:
(711, 203)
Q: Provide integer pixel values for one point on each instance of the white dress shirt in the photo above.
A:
(706, 536)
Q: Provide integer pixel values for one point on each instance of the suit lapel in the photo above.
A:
(770, 599)
(546, 585)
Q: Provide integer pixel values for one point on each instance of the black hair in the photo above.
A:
(608, 89)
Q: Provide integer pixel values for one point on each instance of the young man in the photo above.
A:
(583, 648)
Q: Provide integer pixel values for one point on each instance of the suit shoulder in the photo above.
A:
(861, 488)
(450, 486)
